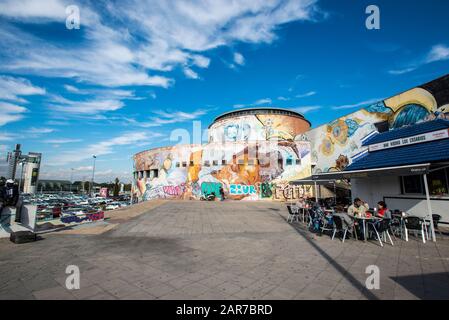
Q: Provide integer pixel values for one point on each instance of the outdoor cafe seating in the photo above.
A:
(367, 227)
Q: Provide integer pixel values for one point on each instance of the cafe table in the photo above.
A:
(364, 220)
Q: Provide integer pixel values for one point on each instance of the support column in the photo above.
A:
(429, 207)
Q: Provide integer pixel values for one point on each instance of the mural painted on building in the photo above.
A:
(260, 127)
(336, 144)
(245, 171)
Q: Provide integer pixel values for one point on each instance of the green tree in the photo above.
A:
(116, 187)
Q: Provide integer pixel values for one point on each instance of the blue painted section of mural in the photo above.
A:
(410, 114)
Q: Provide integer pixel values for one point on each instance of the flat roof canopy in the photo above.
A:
(408, 170)
(310, 181)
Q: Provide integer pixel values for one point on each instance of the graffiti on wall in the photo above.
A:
(336, 144)
(244, 171)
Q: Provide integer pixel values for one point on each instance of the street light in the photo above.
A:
(93, 176)
(22, 163)
(71, 179)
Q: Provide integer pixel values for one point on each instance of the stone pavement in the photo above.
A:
(218, 250)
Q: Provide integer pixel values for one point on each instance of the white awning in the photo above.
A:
(417, 169)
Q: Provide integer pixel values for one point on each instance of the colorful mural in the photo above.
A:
(245, 171)
(254, 154)
(336, 144)
(258, 127)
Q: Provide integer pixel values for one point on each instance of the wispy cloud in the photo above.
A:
(263, 101)
(189, 73)
(357, 105)
(402, 71)
(102, 148)
(86, 107)
(239, 59)
(34, 130)
(438, 52)
(165, 117)
(307, 109)
(139, 40)
(305, 95)
(12, 89)
(62, 141)
(10, 113)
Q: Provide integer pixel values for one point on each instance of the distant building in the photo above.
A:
(31, 172)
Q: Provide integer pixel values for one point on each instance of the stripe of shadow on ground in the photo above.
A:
(359, 286)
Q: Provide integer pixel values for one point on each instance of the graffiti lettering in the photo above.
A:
(266, 190)
(174, 190)
(239, 189)
(208, 188)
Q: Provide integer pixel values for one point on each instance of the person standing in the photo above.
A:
(222, 195)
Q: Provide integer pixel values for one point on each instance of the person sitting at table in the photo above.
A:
(358, 208)
(383, 211)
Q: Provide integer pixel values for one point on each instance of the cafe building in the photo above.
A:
(408, 168)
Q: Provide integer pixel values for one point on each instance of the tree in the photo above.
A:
(116, 187)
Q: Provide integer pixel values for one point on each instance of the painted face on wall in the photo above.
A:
(231, 132)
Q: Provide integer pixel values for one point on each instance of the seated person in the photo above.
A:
(383, 211)
(358, 208)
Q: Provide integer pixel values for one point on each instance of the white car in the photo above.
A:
(113, 206)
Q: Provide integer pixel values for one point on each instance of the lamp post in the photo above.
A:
(22, 163)
(93, 176)
(71, 179)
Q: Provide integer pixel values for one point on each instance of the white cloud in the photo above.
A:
(4, 136)
(34, 130)
(357, 105)
(12, 88)
(131, 42)
(189, 73)
(89, 107)
(306, 109)
(32, 9)
(10, 113)
(263, 101)
(401, 71)
(101, 148)
(281, 98)
(62, 141)
(438, 53)
(307, 94)
(239, 59)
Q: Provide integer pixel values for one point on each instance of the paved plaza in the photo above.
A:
(217, 250)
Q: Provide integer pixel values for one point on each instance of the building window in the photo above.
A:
(437, 180)
(412, 184)
(250, 162)
(207, 163)
(155, 173)
(178, 164)
(298, 162)
(289, 162)
(223, 162)
(184, 164)
(438, 183)
(191, 163)
(241, 162)
(215, 162)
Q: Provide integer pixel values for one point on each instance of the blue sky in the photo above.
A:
(137, 70)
